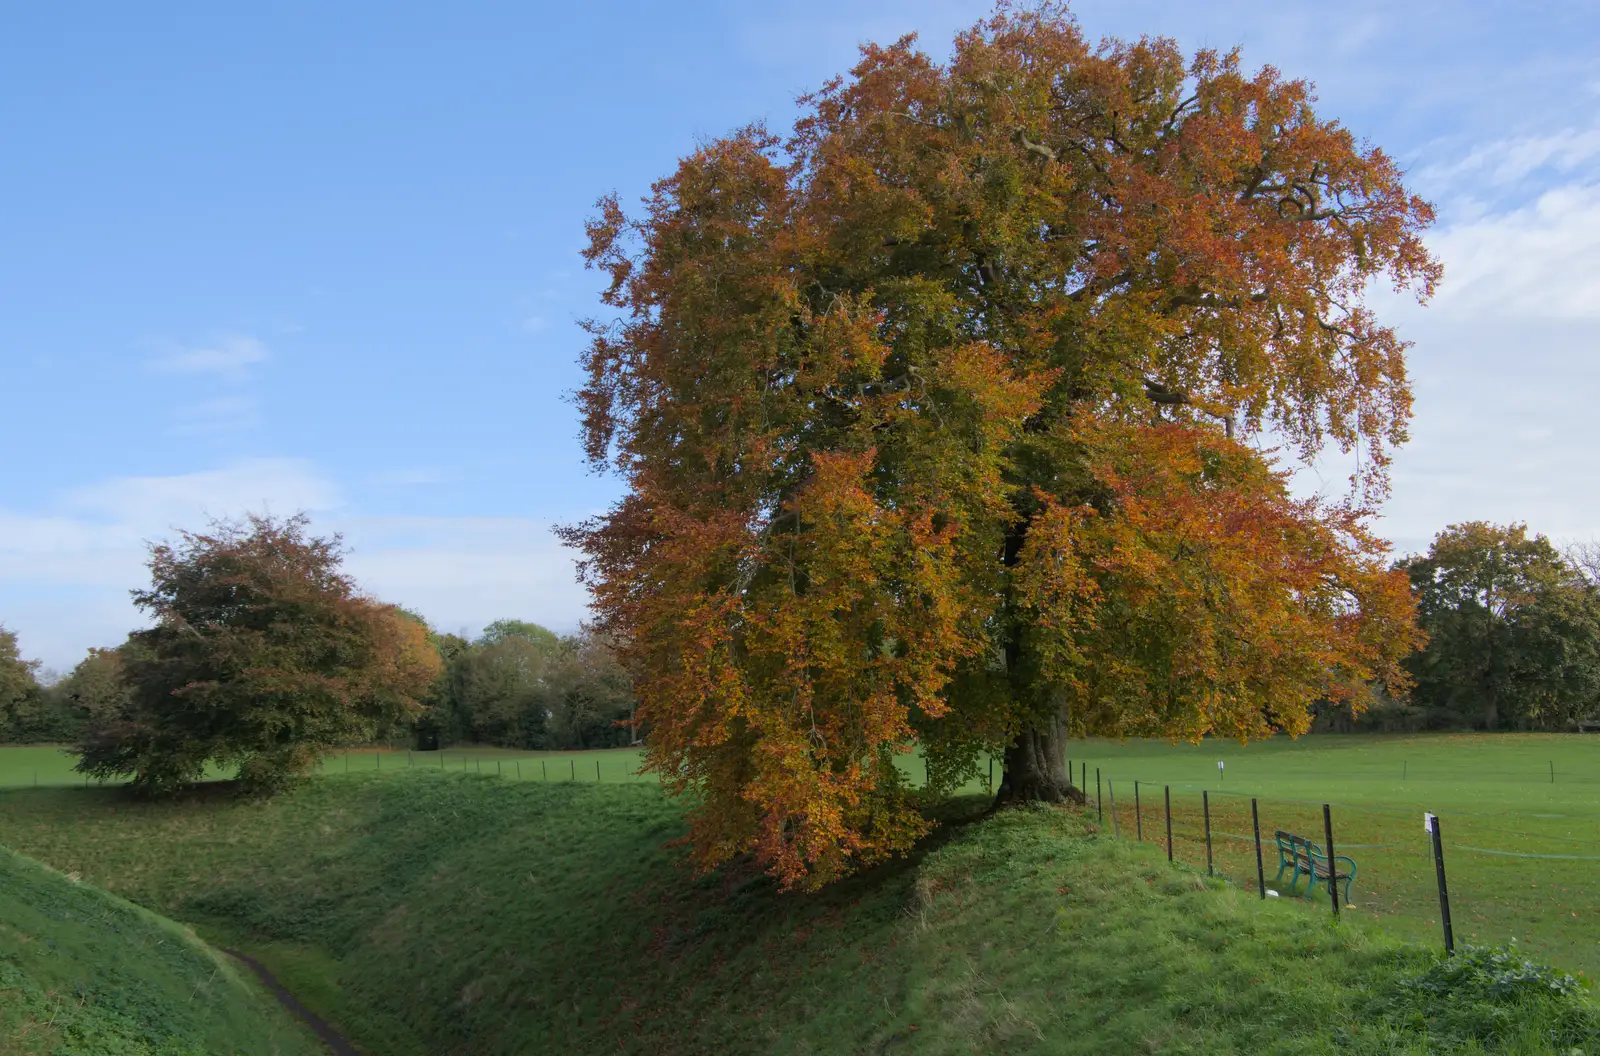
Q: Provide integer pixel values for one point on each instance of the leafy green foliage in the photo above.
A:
(1485, 973)
(519, 685)
(83, 973)
(1494, 996)
(1513, 630)
(19, 692)
(501, 630)
(263, 655)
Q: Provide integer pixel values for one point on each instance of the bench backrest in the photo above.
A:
(1296, 848)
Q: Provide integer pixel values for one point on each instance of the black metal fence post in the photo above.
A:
(1111, 790)
(1167, 789)
(1333, 866)
(544, 769)
(1138, 815)
(1444, 892)
(572, 764)
(1205, 806)
(597, 770)
(1100, 815)
(1083, 781)
(1261, 870)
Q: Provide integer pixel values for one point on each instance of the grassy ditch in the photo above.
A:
(447, 913)
(83, 973)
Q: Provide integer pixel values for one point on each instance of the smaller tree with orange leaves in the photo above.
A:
(263, 656)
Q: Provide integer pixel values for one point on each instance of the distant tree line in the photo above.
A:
(263, 655)
(520, 685)
(1513, 626)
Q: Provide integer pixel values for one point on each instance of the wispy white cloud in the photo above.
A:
(216, 414)
(464, 572)
(1509, 161)
(408, 477)
(1541, 259)
(222, 396)
(65, 571)
(1507, 357)
(229, 358)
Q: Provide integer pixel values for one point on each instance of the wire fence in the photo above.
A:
(1528, 880)
(54, 767)
(582, 766)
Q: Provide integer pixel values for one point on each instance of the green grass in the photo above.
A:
(50, 766)
(1521, 850)
(429, 913)
(83, 973)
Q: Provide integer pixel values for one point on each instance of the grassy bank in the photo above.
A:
(1521, 815)
(83, 973)
(429, 913)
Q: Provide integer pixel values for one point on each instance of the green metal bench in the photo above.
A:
(1309, 860)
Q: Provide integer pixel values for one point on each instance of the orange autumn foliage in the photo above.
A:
(940, 421)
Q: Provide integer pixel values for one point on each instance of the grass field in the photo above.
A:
(1520, 816)
(448, 913)
(83, 972)
(1522, 850)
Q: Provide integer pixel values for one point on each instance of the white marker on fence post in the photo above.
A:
(1219, 771)
(1427, 827)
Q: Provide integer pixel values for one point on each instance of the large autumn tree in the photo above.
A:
(263, 656)
(948, 419)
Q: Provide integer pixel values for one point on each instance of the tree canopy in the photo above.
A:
(500, 630)
(941, 419)
(19, 690)
(521, 685)
(262, 655)
(1513, 630)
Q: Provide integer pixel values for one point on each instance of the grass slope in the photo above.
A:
(83, 973)
(1521, 815)
(429, 913)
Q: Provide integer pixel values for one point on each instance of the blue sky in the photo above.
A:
(325, 256)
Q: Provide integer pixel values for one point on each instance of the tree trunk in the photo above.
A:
(1036, 767)
(1491, 713)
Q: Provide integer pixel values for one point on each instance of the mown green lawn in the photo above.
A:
(448, 913)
